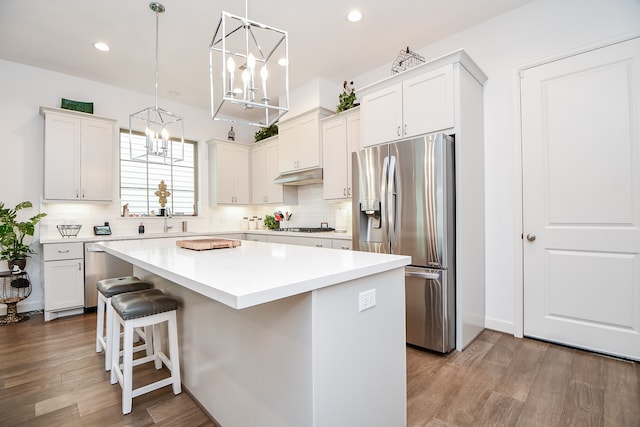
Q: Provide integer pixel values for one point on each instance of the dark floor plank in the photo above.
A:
(621, 393)
(583, 405)
(499, 410)
(544, 403)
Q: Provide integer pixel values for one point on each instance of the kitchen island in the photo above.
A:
(275, 335)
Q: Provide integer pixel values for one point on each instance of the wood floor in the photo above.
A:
(50, 375)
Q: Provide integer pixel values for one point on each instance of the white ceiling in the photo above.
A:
(59, 35)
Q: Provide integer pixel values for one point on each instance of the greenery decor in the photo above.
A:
(271, 223)
(347, 99)
(267, 132)
(13, 232)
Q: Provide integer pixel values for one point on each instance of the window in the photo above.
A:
(140, 176)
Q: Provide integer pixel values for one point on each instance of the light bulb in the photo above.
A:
(165, 134)
(231, 65)
(251, 61)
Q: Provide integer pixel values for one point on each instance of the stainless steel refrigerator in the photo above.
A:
(404, 203)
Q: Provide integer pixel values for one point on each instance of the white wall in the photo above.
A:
(500, 46)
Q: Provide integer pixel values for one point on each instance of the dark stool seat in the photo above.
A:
(132, 305)
(119, 285)
(148, 308)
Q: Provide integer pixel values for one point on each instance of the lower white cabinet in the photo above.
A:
(63, 279)
(341, 244)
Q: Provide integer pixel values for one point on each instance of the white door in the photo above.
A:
(581, 191)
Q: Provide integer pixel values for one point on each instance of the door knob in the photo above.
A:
(531, 237)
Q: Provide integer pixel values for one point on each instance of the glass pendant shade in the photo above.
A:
(156, 135)
(249, 72)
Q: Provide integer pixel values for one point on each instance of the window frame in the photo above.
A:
(124, 139)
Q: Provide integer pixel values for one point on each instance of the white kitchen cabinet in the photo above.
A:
(300, 141)
(228, 173)
(414, 106)
(264, 169)
(300, 241)
(63, 279)
(340, 138)
(78, 156)
(341, 244)
(256, 237)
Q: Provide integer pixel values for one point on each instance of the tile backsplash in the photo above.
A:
(310, 211)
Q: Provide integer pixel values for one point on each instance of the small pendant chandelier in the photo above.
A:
(248, 68)
(163, 138)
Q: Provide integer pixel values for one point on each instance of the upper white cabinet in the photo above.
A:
(228, 173)
(300, 141)
(264, 169)
(340, 138)
(414, 106)
(78, 156)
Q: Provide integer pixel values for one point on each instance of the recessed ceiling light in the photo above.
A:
(102, 46)
(354, 16)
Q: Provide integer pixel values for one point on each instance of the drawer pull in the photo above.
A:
(60, 251)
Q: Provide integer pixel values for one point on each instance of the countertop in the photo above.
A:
(90, 238)
(253, 273)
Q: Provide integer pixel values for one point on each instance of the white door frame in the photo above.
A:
(518, 245)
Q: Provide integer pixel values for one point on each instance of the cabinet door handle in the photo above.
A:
(405, 129)
(60, 251)
(398, 131)
(79, 266)
(77, 194)
(349, 191)
(344, 191)
(319, 245)
(83, 194)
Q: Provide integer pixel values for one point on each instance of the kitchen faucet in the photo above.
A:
(167, 227)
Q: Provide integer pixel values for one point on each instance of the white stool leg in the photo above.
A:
(100, 325)
(127, 373)
(115, 349)
(157, 345)
(110, 336)
(174, 353)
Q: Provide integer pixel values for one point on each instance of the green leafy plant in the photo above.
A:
(266, 132)
(13, 232)
(270, 222)
(346, 99)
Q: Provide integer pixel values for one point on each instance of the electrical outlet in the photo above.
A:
(367, 300)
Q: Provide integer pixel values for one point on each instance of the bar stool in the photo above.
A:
(107, 288)
(142, 309)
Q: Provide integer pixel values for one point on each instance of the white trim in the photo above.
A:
(519, 73)
(500, 326)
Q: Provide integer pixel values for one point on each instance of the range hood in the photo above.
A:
(305, 177)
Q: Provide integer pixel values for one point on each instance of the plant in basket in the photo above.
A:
(13, 248)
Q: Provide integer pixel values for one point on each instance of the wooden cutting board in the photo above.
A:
(207, 244)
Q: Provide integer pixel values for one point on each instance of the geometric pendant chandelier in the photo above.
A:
(163, 137)
(248, 71)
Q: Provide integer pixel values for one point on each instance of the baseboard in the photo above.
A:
(499, 325)
(23, 307)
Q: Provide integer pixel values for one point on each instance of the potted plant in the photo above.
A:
(347, 99)
(13, 248)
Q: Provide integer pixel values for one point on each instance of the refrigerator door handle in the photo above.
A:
(383, 198)
(391, 202)
(422, 275)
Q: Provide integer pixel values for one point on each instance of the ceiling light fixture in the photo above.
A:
(102, 46)
(163, 130)
(354, 16)
(248, 69)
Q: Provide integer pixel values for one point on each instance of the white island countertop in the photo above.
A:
(253, 273)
